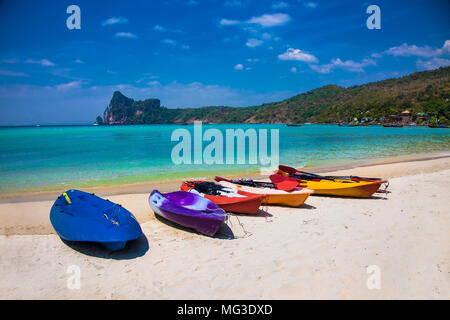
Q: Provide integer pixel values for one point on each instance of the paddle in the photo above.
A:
(304, 174)
(283, 183)
(287, 169)
(249, 183)
(218, 179)
(291, 170)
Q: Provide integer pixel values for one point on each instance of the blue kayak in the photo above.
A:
(82, 216)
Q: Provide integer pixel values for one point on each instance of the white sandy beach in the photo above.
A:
(320, 250)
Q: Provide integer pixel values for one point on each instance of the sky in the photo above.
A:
(193, 53)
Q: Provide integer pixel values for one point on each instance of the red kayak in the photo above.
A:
(228, 199)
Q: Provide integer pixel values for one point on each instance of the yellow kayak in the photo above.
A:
(274, 196)
(340, 187)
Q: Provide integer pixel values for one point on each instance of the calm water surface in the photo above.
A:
(44, 158)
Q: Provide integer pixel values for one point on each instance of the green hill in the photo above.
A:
(377, 102)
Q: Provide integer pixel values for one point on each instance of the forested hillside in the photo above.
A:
(377, 102)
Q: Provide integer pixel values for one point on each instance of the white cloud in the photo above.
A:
(293, 69)
(128, 35)
(185, 46)
(435, 56)
(42, 62)
(271, 20)
(297, 54)
(254, 43)
(13, 73)
(311, 4)
(169, 41)
(403, 50)
(406, 50)
(433, 63)
(228, 22)
(147, 76)
(432, 58)
(279, 5)
(159, 28)
(114, 20)
(265, 21)
(348, 65)
(69, 85)
(239, 66)
(446, 47)
(153, 83)
(110, 71)
(325, 68)
(79, 61)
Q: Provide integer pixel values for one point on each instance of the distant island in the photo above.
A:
(420, 98)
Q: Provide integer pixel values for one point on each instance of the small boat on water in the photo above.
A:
(343, 186)
(272, 196)
(189, 210)
(229, 199)
(293, 124)
(84, 217)
(438, 126)
(346, 124)
(393, 125)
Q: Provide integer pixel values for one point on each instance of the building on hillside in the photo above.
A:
(421, 117)
(406, 117)
(402, 118)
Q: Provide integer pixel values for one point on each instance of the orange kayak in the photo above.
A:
(274, 196)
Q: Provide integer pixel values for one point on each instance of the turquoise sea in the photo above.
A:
(60, 157)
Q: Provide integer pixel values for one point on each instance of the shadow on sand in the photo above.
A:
(307, 206)
(261, 213)
(133, 249)
(224, 232)
(356, 198)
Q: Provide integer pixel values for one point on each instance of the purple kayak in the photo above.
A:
(189, 210)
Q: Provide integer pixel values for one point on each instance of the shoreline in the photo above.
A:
(378, 124)
(170, 185)
(29, 216)
(320, 250)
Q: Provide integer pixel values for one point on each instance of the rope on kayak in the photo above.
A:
(385, 188)
(268, 217)
(115, 215)
(246, 233)
(386, 185)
